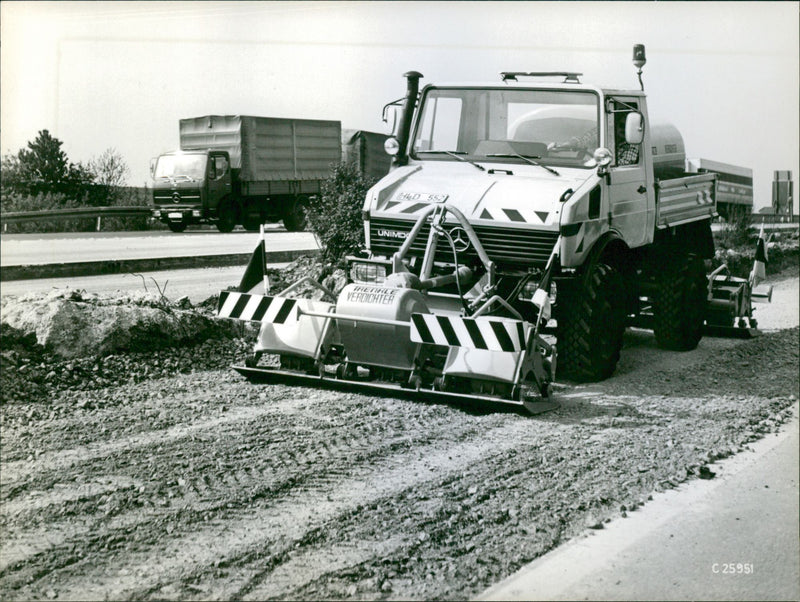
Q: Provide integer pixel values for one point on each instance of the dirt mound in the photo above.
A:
(71, 323)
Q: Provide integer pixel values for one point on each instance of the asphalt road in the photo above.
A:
(197, 284)
(733, 537)
(72, 247)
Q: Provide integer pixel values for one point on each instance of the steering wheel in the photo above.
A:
(566, 146)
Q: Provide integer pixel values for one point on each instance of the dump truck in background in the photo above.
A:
(236, 169)
(524, 225)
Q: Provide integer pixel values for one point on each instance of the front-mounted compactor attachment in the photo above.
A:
(407, 335)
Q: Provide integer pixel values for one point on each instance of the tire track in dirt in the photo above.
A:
(64, 459)
(275, 527)
(280, 466)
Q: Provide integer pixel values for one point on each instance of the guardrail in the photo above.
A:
(13, 217)
(771, 218)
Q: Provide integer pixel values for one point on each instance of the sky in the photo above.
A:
(120, 75)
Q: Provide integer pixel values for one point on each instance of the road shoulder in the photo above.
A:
(733, 537)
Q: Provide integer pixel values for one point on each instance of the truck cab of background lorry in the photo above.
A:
(188, 187)
(557, 180)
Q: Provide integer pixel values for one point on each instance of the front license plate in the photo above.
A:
(175, 215)
(422, 197)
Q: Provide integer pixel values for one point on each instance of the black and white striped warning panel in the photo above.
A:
(477, 333)
(255, 308)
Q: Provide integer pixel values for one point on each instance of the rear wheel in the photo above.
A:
(679, 304)
(177, 226)
(295, 217)
(227, 218)
(252, 223)
(591, 321)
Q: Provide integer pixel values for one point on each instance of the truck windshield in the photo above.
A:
(192, 167)
(558, 127)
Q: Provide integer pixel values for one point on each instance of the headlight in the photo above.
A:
(391, 146)
(368, 272)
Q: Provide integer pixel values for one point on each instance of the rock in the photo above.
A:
(72, 327)
(593, 523)
(706, 473)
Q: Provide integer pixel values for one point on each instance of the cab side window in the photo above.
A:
(219, 167)
(624, 153)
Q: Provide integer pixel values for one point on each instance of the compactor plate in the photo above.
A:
(275, 375)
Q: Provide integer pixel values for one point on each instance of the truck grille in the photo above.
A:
(504, 245)
(167, 197)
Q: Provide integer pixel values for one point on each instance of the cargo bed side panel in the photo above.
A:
(289, 149)
(268, 149)
(685, 200)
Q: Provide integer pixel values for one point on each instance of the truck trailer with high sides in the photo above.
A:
(524, 224)
(236, 169)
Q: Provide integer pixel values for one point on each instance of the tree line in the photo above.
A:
(41, 177)
(43, 172)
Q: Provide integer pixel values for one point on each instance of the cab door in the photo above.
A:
(631, 194)
(219, 178)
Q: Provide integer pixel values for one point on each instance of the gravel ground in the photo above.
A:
(166, 475)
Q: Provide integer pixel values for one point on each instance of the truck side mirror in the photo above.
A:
(390, 119)
(634, 128)
(153, 167)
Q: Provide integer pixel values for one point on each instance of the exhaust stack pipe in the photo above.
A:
(409, 103)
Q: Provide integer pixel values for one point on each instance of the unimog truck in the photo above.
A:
(524, 224)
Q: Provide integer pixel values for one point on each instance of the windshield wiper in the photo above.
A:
(454, 154)
(176, 176)
(526, 158)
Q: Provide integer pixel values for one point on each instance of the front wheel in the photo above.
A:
(590, 313)
(226, 221)
(679, 304)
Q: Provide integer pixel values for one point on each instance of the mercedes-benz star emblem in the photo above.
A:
(176, 197)
(460, 239)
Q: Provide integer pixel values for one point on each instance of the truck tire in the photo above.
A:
(252, 223)
(679, 304)
(591, 321)
(177, 226)
(294, 220)
(226, 221)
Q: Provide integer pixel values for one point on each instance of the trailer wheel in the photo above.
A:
(177, 226)
(591, 321)
(679, 304)
(295, 217)
(226, 221)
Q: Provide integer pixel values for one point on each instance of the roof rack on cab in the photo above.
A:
(569, 77)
